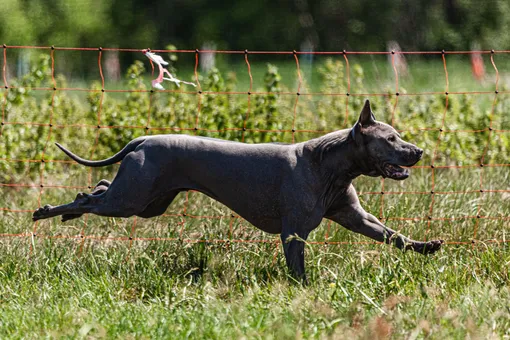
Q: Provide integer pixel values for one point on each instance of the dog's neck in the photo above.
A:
(338, 157)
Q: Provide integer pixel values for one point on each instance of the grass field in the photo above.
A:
(58, 285)
(198, 291)
(159, 289)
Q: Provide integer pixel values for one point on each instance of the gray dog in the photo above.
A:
(281, 189)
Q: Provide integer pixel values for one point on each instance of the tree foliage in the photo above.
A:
(258, 25)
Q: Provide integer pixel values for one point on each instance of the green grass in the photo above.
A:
(170, 289)
(206, 291)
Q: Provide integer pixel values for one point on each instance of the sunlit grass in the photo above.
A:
(171, 289)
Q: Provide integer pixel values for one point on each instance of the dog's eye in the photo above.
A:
(391, 138)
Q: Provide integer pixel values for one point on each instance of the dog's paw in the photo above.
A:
(41, 212)
(81, 196)
(431, 247)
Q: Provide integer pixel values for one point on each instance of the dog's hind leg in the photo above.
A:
(132, 190)
(106, 203)
(84, 203)
(158, 206)
(100, 187)
(102, 205)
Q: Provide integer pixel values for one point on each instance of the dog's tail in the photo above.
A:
(112, 160)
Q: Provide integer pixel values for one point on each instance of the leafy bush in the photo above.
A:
(114, 120)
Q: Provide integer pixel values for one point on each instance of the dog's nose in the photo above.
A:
(419, 152)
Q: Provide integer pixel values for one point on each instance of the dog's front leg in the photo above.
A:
(359, 221)
(351, 215)
(295, 230)
(294, 248)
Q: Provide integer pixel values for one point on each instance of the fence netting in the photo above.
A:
(459, 192)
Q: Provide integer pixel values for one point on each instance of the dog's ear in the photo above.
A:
(366, 118)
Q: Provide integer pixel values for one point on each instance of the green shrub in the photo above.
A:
(224, 115)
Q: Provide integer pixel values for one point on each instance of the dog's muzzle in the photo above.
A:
(400, 172)
(395, 172)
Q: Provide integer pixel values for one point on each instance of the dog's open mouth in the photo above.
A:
(395, 172)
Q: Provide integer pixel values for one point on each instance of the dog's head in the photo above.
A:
(384, 152)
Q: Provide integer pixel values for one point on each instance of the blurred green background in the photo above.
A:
(258, 25)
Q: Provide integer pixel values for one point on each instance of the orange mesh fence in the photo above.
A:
(182, 219)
